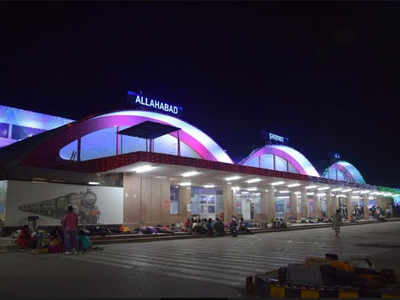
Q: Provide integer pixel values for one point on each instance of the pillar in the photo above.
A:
(317, 206)
(332, 205)
(349, 206)
(228, 199)
(185, 194)
(293, 205)
(365, 207)
(269, 204)
(304, 204)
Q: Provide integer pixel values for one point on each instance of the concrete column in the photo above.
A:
(349, 205)
(269, 204)
(365, 207)
(304, 204)
(185, 194)
(317, 206)
(228, 199)
(333, 206)
(293, 205)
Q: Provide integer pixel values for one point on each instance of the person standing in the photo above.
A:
(337, 222)
(70, 225)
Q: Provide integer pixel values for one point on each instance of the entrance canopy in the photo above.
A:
(148, 130)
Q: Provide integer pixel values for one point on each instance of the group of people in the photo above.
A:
(212, 227)
(69, 240)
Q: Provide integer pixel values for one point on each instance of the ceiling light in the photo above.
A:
(143, 169)
(186, 183)
(370, 198)
(297, 193)
(309, 187)
(341, 195)
(232, 178)
(267, 191)
(209, 186)
(324, 188)
(284, 192)
(365, 192)
(348, 190)
(356, 192)
(190, 173)
(277, 183)
(310, 194)
(236, 188)
(321, 194)
(244, 193)
(283, 197)
(293, 185)
(336, 190)
(356, 197)
(93, 182)
(252, 189)
(254, 180)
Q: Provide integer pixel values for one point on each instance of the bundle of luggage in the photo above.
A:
(330, 271)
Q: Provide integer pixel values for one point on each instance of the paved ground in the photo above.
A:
(197, 267)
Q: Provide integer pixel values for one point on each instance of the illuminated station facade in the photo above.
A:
(148, 167)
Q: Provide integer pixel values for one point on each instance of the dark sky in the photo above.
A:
(325, 76)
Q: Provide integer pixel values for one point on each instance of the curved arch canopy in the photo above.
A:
(294, 158)
(343, 170)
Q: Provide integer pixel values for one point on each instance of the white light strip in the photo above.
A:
(209, 186)
(252, 189)
(284, 192)
(236, 188)
(309, 187)
(310, 194)
(356, 192)
(277, 183)
(348, 190)
(324, 188)
(282, 197)
(254, 180)
(293, 185)
(364, 192)
(355, 197)
(336, 190)
(186, 183)
(232, 178)
(93, 182)
(341, 195)
(190, 174)
(297, 193)
(371, 198)
(321, 194)
(143, 169)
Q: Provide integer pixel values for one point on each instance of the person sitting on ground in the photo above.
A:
(84, 241)
(56, 243)
(210, 230)
(243, 226)
(24, 239)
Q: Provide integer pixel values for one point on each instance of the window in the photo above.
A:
(174, 200)
(4, 128)
(22, 132)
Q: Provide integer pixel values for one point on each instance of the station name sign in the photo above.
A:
(272, 137)
(153, 104)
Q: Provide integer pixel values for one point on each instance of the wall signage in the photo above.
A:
(153, 104)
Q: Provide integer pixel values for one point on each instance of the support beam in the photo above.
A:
(349, 206)
(228, 200)
(293, 205)
(365, 207)
(317, 206)
(179, 143)
(269, 204)
(304, 204)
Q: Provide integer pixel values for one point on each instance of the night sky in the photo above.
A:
(325, 76)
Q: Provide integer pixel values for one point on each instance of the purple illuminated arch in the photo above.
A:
(198, 141)
(298, 160)
(348, 169)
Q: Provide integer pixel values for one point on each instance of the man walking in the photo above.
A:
(70, 224)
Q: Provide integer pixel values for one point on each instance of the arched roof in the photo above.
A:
(348, 169)
(298, 160)
(197, 140)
